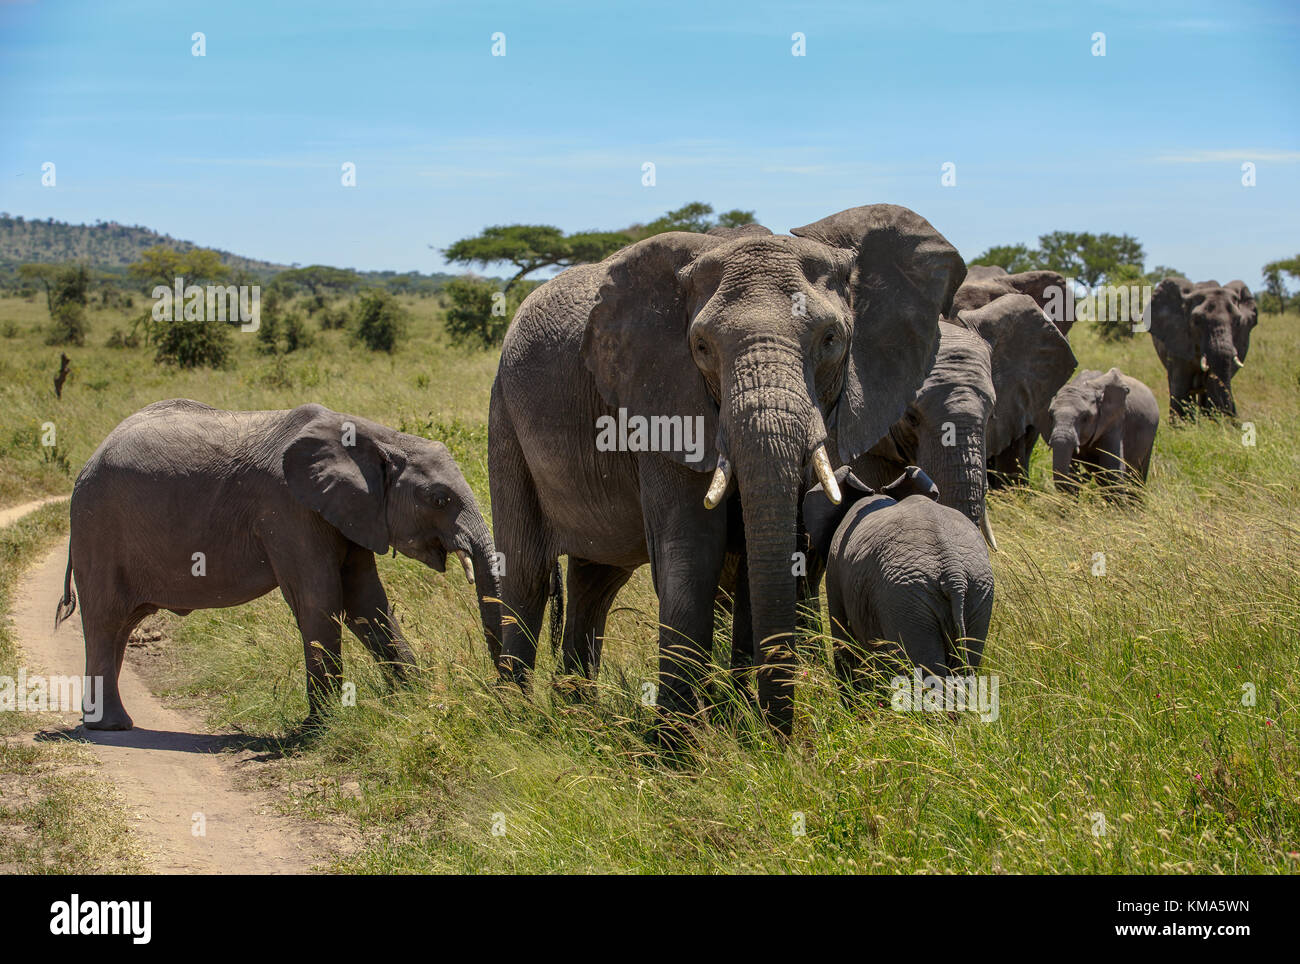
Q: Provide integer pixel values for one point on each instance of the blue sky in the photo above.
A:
(241, 149)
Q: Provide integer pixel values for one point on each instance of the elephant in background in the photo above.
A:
(755, 342)
(988, 282)
(1103, 424)
(1201, 333)
(907, 580)
(944, 429)
(1032, 359)
(184, 506)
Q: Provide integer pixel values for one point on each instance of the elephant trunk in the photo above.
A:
(474, 540)
(1218, 381)
(1064, 443)
(959, 472)
(769, 424)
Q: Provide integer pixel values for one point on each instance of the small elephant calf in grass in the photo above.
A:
(1102, 424)
(187, 507)
(908, 581)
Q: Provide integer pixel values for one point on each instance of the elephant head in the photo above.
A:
(1081, 415)
(1031, 361)
(1202, 334)
(822, 516)
(986, 283)
(944, 429)
(768, 339)
(382, 488)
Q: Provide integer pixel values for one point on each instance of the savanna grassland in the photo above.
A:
(1127, 739)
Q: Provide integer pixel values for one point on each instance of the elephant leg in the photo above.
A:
(523, 540)
(369, 615)
(1182, 403)
(687, 546)
(592, 588)
(106, 628)
(316, 598)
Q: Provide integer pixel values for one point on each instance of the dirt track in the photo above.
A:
(167, 770)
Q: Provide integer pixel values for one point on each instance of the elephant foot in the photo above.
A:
(115, 718)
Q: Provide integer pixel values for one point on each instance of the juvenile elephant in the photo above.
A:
(907, 580)
(1202, 334)
(750, 343)
(184, 506)
(1103, 424)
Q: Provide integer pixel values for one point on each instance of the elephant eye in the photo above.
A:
(702, 347)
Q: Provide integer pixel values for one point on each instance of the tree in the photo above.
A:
(1013, 257)
(695, 216)
(42, 274)
(68, 295)
(320, 279)
(161, 265)
(530, 247)
(1274, 296)
(1089, 258)
(381, 320)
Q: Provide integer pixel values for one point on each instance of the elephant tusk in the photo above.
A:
(986, 527)
(1205, 365)
(718, 487)
(466, 564)
(822, 466)
(1237, 363)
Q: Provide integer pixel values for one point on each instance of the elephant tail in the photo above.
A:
(954, 587)
(557, 607)
(68, 604)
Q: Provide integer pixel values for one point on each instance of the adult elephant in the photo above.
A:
(755, 342)
(988, 282)
(995, 372)
(1032, 359)
(1201, 333)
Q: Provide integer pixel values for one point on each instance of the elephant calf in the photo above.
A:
(1102, 424)
(907, 580)
(187, 507)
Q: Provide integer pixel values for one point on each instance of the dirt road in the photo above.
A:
(170, 773)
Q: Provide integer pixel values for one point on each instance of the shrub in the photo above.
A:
(69, 295)
(335, 317)
(121, 339)
(191, 344)
(480, 312)
(380, 320)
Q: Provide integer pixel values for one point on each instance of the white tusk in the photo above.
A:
(1205, 365)
(986, 527)
(822, 466)
(1237, 362)
(463, 556)
(718, 487)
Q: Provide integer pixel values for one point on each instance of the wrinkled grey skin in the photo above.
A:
(274, 498)
(952, 406)
(1102, 424)
(690, 324)
(904, 571)
(1202, 334)
(1032, 359)
(988, 282)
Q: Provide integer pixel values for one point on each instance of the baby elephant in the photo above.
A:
(187, 507)
(1102, 424)
(907, 580)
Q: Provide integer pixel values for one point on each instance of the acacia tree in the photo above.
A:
(531, 247)
(1088, 258)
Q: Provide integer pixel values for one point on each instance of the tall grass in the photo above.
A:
(1126, 741)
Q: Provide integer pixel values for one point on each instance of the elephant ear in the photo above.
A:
(904, 276)
(821, 516)
(333, 467)
(1031, 361)
(635, 343)
(1114, 394)
(1170, 327)
(1249, 317)
(1039, 285)
(913, 481)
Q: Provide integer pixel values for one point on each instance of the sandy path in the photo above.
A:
(166, 771)
(16, 512)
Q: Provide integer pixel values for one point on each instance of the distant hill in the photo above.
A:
(111, 247)
(104, 244)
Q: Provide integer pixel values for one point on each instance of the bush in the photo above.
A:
(380, 320)
(191, 344)
(121, 339)
(335, 317)
(480, 312)
(69, 295)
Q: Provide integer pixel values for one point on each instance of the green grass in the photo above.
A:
(1120, 694)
